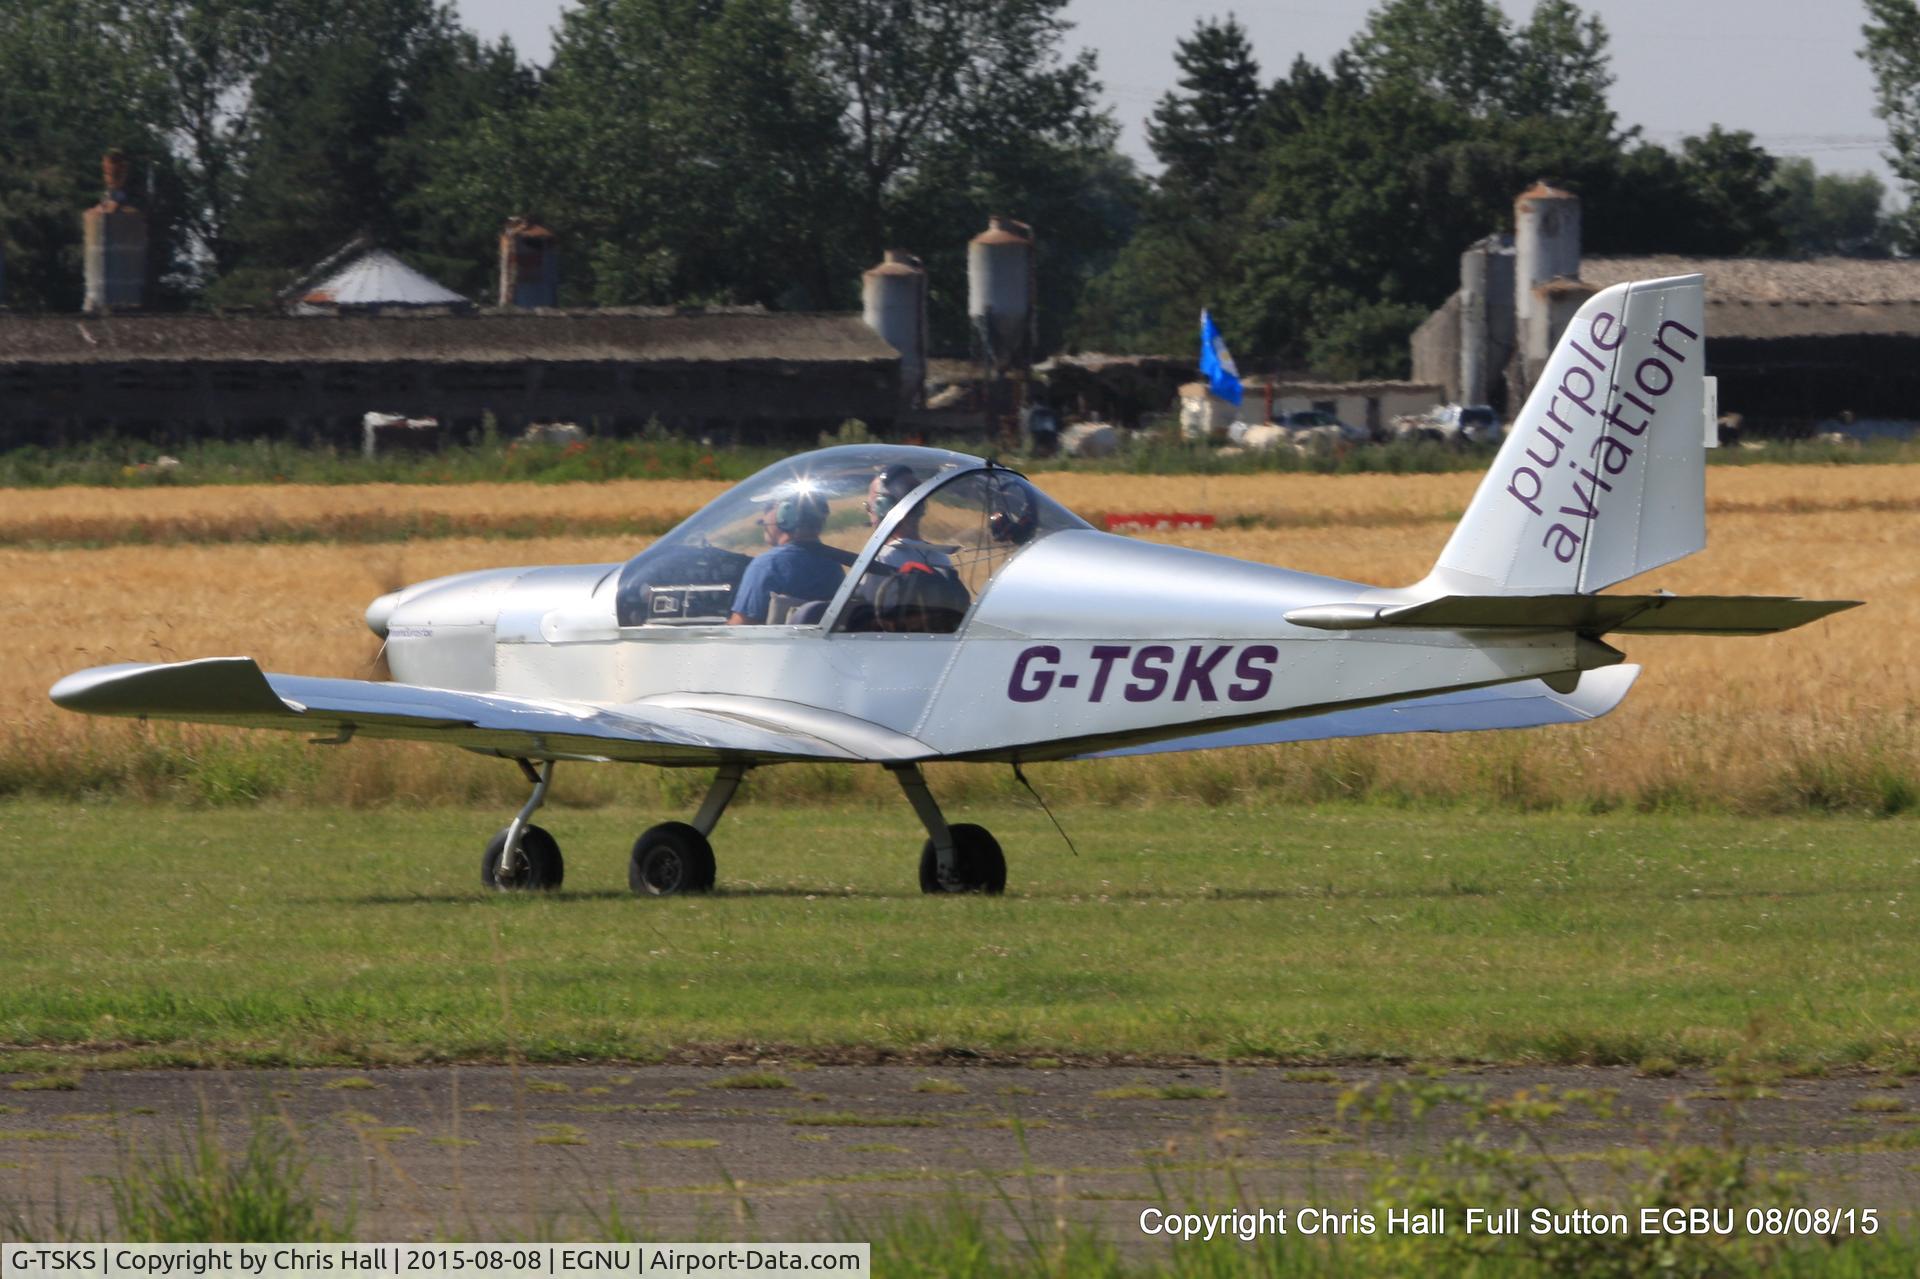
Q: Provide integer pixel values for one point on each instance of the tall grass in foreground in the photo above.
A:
(1029, 1225)
(198, 1191)
(204, 1192)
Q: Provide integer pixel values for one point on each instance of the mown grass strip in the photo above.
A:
(1295, 935)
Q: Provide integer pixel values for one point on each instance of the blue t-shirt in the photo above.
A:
(801, 569)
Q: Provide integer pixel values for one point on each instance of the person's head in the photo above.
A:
(795, 518)
(887, 491)
(1013, 514)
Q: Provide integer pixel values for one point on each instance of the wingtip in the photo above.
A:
(224, 684)
(75, 692)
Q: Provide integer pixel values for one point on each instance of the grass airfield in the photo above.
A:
(1211, 1007)
(1702, 901)
(157, 935)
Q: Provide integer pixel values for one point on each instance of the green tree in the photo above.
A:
(69, 91)
(1831, 213)
(1202, 134)
(1893, 52)
(685, 150)
(1560, 67)
(352, 99)
(1367, 179)
(942, 84)
(203, 55)
(1208, 136)
(1459, 51)
(1371, 203)
(1083, 202)
(1730, 181)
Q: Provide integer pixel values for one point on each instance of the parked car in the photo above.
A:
(1472, 423)
(1316, 420)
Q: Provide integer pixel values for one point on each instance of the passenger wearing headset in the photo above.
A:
(913, 585)
(798, 566)
(888, 489)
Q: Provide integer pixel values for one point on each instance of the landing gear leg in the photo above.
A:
(524, 856)
(719, 795)
(962, 858)
(675, 857)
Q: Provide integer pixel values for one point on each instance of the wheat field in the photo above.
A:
(1822, 717)
(374, 512)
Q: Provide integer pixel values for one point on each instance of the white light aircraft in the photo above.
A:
(895, 606)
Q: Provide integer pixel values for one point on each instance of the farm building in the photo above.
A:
(740, 374)
(1795, 344)
(1372, 405)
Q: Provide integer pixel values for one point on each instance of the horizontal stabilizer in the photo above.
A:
(1592, 615)
(1522, 704)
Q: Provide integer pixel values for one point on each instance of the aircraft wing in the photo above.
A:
(234, 690)
(1523, 704)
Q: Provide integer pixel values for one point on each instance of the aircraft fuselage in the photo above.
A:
(1085, 640)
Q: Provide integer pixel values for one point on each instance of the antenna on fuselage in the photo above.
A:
(1043, 808)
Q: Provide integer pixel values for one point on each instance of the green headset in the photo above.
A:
(895, 483)
(799, 512)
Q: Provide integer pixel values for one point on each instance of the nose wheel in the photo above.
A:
(524, 857)
(537, 866)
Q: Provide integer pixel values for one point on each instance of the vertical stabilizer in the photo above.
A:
(1603, 474)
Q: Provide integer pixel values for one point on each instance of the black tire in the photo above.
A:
(979, 864)
(540, 869)
(671, 858)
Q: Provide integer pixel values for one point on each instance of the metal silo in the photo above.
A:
(529, 265)
(1000, 292)
(1546, 245)
(1546, 241)
(894, 298)
(115, 239)
(1486, 318)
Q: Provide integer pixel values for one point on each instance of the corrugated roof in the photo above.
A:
(1773, 279)
(1777, 298)
(494, 337)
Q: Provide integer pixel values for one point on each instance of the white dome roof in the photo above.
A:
(376, 278)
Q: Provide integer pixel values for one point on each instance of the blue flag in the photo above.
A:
(1217, 362)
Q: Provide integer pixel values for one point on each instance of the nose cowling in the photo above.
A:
(380, 612)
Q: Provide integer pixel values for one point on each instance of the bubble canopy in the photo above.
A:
(690, 575)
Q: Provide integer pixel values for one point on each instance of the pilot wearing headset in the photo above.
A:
(798, 565)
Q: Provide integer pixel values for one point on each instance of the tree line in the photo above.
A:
(766, 151)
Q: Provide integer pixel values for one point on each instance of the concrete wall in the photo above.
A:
(1436, 350)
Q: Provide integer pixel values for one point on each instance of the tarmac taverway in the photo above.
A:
(498, 1152)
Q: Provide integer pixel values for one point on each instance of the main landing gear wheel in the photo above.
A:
(536, 867)
(978, 864)
(672, 857)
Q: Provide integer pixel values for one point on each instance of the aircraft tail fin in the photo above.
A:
(1603, 473)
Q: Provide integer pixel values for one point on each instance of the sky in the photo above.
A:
(1788, 71)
